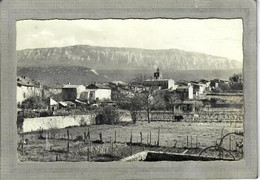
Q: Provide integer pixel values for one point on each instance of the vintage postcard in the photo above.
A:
(130, 93)
(130, 90)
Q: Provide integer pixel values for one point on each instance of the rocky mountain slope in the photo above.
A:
(100, 58)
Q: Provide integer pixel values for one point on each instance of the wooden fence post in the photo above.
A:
(187, 141)
(158, 141)
(85, 137)
(100, 136)
(196, 142)
(191, 141)
(230, 148)
(131, 138)
(88, 154)
(141, 136)
(88, 136)
(68, 141)
(115, 137)
(150, 137)
(22, 144)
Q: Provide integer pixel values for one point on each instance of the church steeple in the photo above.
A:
(157, 74)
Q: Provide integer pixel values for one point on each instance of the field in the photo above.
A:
(176, 137)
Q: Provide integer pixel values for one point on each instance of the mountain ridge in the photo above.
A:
(98, 57)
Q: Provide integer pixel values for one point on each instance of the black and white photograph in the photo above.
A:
(130, 90)
(140, 89)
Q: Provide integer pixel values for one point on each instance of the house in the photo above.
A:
(73, 92)
(27, 88)
(52, 104)
(48, 91)
(215, 83)
(206, 83)
(198, 88)
(98, 92)
(185, 92)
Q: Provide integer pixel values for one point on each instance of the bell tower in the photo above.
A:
(157, 74)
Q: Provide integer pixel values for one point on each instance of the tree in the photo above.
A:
(135, 105)
(151, 97)
(172, 99)
(236, 82)
(34, 102)
(108, 115)
(132, 103)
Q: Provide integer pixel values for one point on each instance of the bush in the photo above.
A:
(46, 113)
(35, 102)
(108, 115)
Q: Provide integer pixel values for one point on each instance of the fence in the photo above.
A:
(89, 144)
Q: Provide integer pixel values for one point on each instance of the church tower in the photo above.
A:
(157, 74)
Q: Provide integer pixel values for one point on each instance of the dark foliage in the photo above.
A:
(35, 102)
(107, 115)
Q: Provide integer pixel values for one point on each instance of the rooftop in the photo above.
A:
(71, 86)
(97, 86)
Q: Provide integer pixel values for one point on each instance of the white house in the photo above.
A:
(27, 88)
(73, 92)
(185, 92)
(98, 92)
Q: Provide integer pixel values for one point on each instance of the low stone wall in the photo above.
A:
(45, 123)
(58, 122)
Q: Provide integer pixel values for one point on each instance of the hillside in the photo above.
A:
(100, 58)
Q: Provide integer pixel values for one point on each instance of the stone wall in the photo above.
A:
(45, 123)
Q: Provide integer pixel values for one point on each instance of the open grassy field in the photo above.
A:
(173, 137)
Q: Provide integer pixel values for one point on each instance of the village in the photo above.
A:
(120, 113)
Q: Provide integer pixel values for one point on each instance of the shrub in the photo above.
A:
(108, 115)
(35, 102)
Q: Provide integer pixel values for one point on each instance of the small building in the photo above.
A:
(215, 83)
(136, 87)
(198, 88)
(52, 104)
(185, 92)
(98, 92)
(73, 92)
(27, 88)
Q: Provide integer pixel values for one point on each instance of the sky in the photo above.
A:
(219, 37)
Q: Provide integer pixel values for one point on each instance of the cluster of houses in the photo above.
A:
(71, 95)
